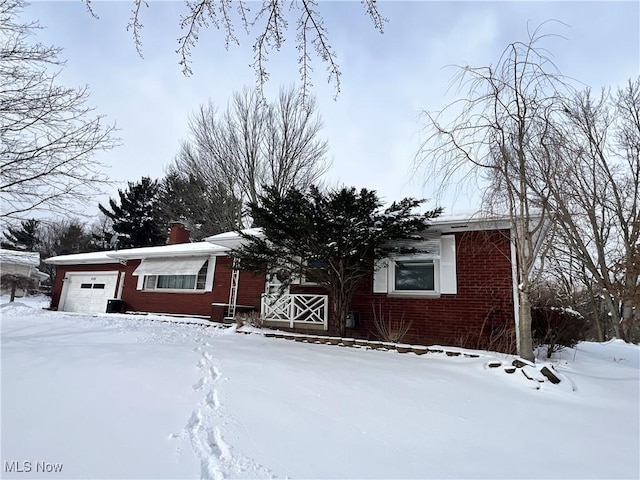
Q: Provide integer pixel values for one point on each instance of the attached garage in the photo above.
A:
(88, 292)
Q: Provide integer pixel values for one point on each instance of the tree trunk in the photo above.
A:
(525, 342)
(340, 310)
(613, 314)
(13, 292)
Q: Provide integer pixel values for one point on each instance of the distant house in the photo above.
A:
(25, 264)
(462, 292)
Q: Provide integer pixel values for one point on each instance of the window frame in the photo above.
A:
(150, 282)
(424, 259)
(310, 281)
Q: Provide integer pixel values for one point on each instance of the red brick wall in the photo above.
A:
(250, 285)
(473, 318)
(178, 233)
(62, 270)
(250, 288)
(483, 304)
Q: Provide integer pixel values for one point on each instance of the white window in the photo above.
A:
(429, 274)
(176, 274)
(414, 275)
(177, 282)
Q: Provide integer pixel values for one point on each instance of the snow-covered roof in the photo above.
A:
(114, 256)
(442, 224)
(223, 242)
(82, 258)
(177, 250)
(16, 257)
(233, 239)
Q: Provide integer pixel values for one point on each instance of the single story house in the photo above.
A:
(21, 263)
(462, 292)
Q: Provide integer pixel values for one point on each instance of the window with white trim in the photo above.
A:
(178, 282)
(414, 275)
(422, 274)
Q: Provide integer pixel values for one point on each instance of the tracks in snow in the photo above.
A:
(218, 460)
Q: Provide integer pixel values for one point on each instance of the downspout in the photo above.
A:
(514, 283)
(121, 276)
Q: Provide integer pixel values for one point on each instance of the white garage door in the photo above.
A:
(88, 293)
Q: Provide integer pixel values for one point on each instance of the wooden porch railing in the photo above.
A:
(296, 308)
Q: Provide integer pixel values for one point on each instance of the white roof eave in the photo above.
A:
(231, 240)
(178, 250)
(93, 258)
(461, 224)
(198, 249)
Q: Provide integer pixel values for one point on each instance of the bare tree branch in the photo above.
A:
(253, 144)
(500, 123)
(272, 28)
(48, 134)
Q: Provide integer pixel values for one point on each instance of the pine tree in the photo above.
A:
(25, 237)
(335, 237)
(138, 219)
(208, 209)
(74, 239)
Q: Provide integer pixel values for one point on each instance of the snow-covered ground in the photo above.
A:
(117, 396)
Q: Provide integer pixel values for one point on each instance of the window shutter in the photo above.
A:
(208, 286)
(140, 284)
(380, 276)
(448, 275)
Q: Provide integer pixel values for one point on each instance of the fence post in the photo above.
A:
(291, 309)
(326, 312)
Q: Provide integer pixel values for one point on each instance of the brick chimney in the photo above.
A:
(178, 233)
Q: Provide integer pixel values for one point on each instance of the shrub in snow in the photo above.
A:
(255, 319)
(557, 327)
(389, 329)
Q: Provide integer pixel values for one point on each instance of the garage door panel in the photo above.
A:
(89, 293)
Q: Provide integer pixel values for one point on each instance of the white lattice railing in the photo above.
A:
(296, 308)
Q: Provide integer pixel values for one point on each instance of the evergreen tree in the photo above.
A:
(25, 237)
(74, 238)
(63, 236)
(335, 237)
(138, 219)
(207, 209)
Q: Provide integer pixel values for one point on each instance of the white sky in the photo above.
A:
(373, 128)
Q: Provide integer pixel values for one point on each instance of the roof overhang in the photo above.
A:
(18, 257)
(232, 240)
(197, 249)
(469, 224)
(94, 258)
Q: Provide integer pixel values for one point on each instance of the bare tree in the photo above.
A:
(593, 186)
(269, 21)
(48, 134)
(504, 117)
(254, 144)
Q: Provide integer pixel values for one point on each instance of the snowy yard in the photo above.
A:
(116, 396)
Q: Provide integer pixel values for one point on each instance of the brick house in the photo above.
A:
(461, 291)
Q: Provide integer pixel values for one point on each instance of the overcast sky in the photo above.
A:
(373, 127)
